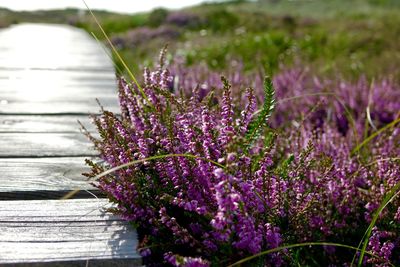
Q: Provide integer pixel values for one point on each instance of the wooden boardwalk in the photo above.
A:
(50, 76)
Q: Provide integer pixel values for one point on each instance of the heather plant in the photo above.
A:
(348, 105)
(195, 168)
(208, 183)
(141, 35)
(185, 19)
(186, 205)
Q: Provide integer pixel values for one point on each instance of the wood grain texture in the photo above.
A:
(44, 178)
(45, 145)
(50, 46)
(63, 96)
(69, 231)
(61, 107)
(50, 76)
(43, 173)
(61, 76)
(44, 124)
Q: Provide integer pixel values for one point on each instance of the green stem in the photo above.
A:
(388, 198)
(155, 158)
(300, 245)
(372, 136)
(117, 54)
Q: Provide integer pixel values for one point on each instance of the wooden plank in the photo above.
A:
(50, 194)
(61, 76)
(65, 232)
(82, 263)
(39, 108)
(64, 98)
(56, 86)
(42, 156)
(44, 178)
(50, 46)
(74, 96)
(53, 77)
(43, 173)
(43, 87)
(90, 91)
(15, 145)
(44, 124)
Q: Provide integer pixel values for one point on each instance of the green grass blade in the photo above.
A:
(394, 192)
(106, 51)
(382, 160)
(156, 158)
(238, 263)
(372, 136)
(72, 193)
(341, 102)
(116, 53)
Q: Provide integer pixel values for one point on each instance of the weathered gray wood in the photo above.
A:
(56, 72)
(81, 263)
(76, 92)
(53, 46)
(48, 83)
(65, 107)
(44, 124)
(69, 231)
(44, 178)
(45, 145)
(18, 78)
(53, 69)
(44, 173)
(62, 76)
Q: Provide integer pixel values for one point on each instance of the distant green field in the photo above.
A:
(333, 37)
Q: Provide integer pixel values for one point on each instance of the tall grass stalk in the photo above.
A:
(158, 157)
(117, 54)
(106, 52)
(307, 244)
(394, 192)
(341, 102)
(372, 136)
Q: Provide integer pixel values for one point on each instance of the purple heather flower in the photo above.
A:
(179, 261)
(300, 182)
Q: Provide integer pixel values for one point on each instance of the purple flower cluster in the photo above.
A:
(299, 92)
(382, 249)
(185, 19)
(207, 199)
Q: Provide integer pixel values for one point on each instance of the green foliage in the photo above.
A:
(300, 245)
(266, 34)
(221, 20)
(257, 125)
(394, 3)
(157, 17)
(253, 50)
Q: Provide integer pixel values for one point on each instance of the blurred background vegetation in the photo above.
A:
(331, 37)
